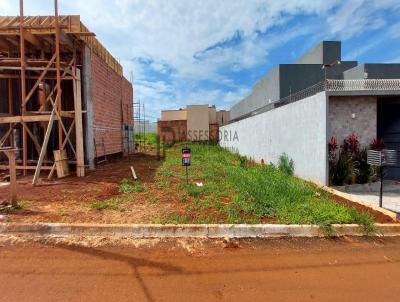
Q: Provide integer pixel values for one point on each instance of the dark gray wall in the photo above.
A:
(382, 71)
(284, 79)
(291, 78)
(373, 71)
(389, 129)
(325, 52)
(296, 77)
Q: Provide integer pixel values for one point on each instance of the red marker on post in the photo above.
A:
(186, 155)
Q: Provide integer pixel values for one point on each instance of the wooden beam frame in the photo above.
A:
(39, 80)
(32, 136)
(64, 143)
(5, 137)
(45, 142)
(32, 39)
(20, 167)
(23, 80)
(80, 157)
(63, 127)
(43, 35)
(4, 44)
(25, 119)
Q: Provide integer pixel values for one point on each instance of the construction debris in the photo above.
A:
(133, 173)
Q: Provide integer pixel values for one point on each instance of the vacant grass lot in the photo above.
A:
(236, 190)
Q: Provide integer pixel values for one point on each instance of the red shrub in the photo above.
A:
(377, 144)
(351, 144)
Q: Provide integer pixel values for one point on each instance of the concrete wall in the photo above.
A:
(212, 115)
(223, 117)
(353, 114)
(356, 72)
(174, 115)
(197, 122)
(88, 106)
(298, 129)
(264, 90)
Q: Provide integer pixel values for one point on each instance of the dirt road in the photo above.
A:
(198, 270)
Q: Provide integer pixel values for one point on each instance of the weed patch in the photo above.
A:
(109, 204)
(127, 187)
(256, 192)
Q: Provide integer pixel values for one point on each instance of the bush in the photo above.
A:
(351, 165)
(377, 144)
(342, 169)
(286, 164)
(242, 161)
(364, 171)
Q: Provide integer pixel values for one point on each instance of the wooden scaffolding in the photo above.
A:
(40, 61)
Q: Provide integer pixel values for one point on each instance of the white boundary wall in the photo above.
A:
(298, 129)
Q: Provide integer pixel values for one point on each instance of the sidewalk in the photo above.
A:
(369, 193)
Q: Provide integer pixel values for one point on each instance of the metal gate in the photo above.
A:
(389, 129)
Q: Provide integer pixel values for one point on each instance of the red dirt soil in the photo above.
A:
(348, 269)
(69, 199)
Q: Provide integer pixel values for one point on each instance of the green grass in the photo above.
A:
(257, 192)
(150, 139)
(109, 204)
(22, 204)
(127, 187)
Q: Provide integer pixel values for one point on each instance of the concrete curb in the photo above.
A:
(393, 215)
(191, 230)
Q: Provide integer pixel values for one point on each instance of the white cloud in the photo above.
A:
(357, 16)
(182, 39)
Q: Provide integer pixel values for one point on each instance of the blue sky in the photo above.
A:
(198, 52)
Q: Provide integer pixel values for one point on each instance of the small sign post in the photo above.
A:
(186, 155)
(382, 159)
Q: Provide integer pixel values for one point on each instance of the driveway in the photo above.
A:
(369, 193)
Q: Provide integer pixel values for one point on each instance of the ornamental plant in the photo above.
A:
(351, 144)
(348, 162)
(377, 144)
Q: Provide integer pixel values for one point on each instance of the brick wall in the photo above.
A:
(350, 114)
(214, 133)
(127, 102)
(172, 131)
(110, 92)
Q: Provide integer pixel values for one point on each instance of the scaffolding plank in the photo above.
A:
(24, 119)
(45, 142)
(80, 157)
(21, 167)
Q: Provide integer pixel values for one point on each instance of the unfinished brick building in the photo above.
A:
(60, 89)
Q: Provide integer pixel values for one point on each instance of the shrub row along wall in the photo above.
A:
(112, 107)
(298, 129)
